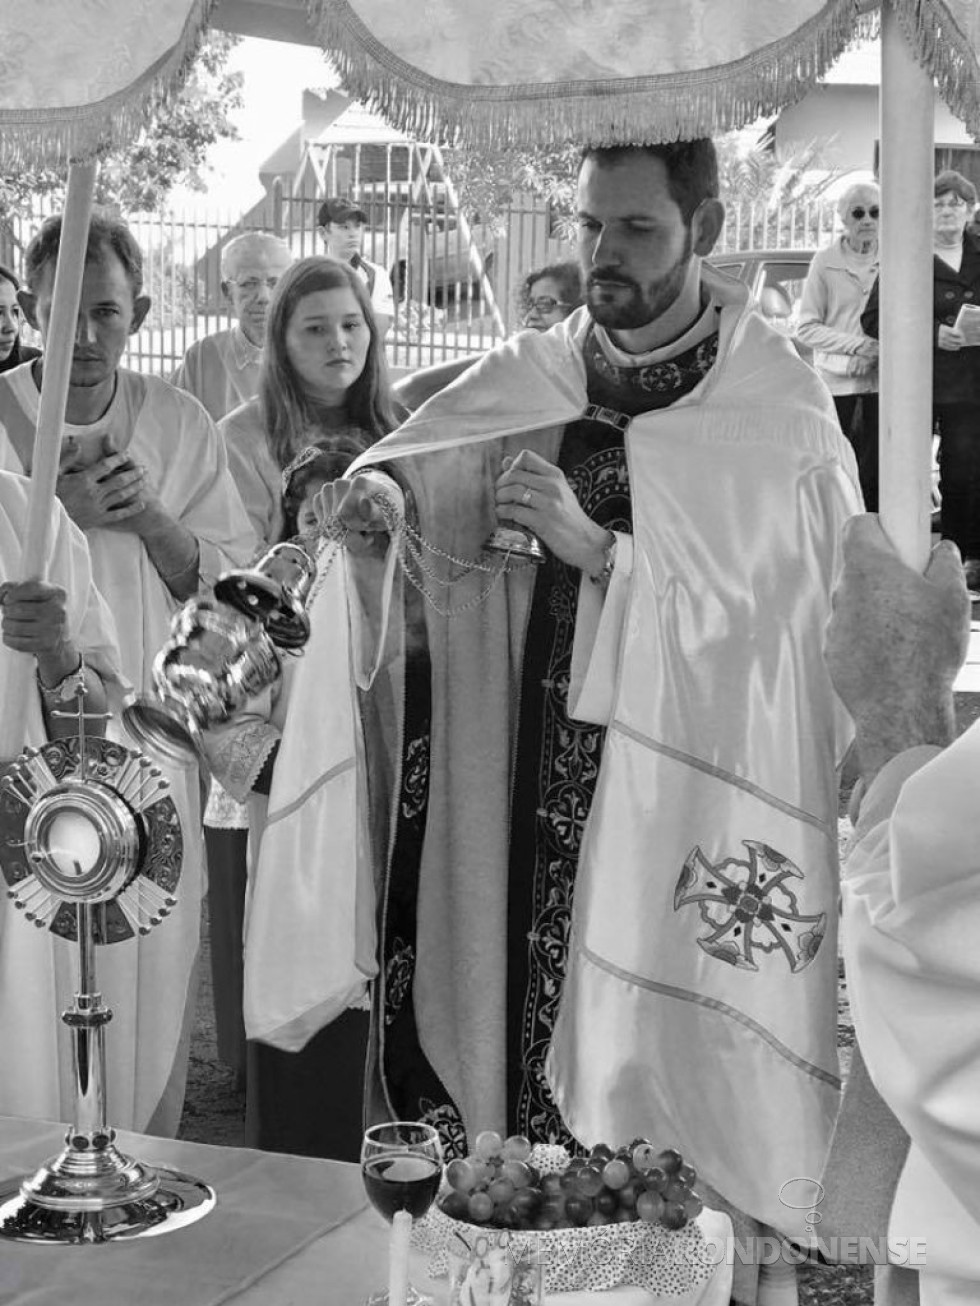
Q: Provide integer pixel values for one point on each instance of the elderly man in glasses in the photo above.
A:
(836, 291)
(222, 370)
(955, 364)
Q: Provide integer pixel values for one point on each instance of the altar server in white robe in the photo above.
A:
(65, 625)
(911, 890)
(685, 471)
(145, 476)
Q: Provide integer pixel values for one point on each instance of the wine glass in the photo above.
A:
(401, 1164)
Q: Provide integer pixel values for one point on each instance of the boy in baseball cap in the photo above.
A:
(342, 225)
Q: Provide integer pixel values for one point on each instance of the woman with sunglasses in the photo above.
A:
(549, 294)
(836, 291)
(955, 365)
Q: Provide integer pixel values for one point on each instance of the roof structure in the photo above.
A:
(357, 125)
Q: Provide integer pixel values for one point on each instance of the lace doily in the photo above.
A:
(662, 1262)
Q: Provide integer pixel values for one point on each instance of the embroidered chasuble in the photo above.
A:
(556, 770)
(556, 767)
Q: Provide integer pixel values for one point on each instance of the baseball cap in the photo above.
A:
(339, 209)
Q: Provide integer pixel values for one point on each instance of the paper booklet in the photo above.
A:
(968, 323)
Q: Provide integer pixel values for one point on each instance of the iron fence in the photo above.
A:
(456, 278)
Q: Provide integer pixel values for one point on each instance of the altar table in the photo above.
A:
(287, 1231)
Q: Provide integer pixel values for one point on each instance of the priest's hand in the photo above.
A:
(536, 494)
(107, 494)
(895, 643)
(364, 505)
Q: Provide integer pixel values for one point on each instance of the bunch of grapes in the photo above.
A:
(511, 1185)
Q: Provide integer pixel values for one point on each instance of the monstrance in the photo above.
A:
(91, 849)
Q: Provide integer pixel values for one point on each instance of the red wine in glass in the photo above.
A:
(401, 1164)
(400, 1181)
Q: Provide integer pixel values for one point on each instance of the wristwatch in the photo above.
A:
(67, 688)
(604, 575)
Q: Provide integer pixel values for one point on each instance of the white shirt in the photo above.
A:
(382, 295)
(148, 984)
(911, 923)
(221, 370)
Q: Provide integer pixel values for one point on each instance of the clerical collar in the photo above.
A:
(704, 326)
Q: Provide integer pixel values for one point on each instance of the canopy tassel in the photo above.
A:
(33, 138)
(638, 110)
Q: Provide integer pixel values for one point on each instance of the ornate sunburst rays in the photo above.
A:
(125, 797)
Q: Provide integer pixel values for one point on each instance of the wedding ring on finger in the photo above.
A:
(526, 497)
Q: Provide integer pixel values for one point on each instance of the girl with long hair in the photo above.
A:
(324, 376)
(323, 399)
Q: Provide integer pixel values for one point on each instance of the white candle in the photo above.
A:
(398, 1249)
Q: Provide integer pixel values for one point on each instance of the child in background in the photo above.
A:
(309, 471)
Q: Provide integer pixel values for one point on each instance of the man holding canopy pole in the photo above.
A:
(64, 624)
(144, 475)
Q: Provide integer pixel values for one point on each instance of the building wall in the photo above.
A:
(844, 120)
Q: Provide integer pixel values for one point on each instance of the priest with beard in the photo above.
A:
(601, 791)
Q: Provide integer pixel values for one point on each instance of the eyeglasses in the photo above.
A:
(544, 304)
(252, 285)
(859, 212)
(955, 202)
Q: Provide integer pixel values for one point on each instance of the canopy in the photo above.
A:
(634, 71)
(75, 74)
(78, 73)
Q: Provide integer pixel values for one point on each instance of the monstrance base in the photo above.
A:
(177, 1201)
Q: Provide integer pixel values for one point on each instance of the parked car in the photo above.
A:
(775, 278)
(416, 234)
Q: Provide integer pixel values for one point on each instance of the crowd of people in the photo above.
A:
(838, 320)
(544, 848)
(955, 373)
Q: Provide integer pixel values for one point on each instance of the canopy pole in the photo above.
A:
(906, 290)
(59, 347)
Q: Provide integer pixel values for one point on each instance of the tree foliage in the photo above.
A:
(773, 201)
(489, 180)
(750, 174)
(753, 171)
(171, 149)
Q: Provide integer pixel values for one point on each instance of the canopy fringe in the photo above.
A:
(639, 110)
(44, 138)
(945, 50)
